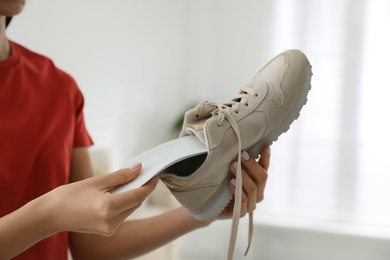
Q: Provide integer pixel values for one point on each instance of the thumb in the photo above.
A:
(120, 177)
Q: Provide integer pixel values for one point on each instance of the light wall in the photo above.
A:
(141, 64)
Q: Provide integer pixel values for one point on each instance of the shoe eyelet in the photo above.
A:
(197, 115)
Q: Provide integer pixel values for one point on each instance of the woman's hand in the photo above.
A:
(87, 206)
(254, 178)
(84, 206)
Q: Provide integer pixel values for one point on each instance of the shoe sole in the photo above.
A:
(222, 197)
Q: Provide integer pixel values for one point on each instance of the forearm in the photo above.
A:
(136, 237)
(24, 227)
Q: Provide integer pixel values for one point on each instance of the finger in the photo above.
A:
(248, 185)
(244, 198)
(253, 169)
(126, 200)
(256, 173)
(151, 184)
(265, 155)
(120, 177)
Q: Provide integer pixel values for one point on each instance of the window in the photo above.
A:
(334, 162)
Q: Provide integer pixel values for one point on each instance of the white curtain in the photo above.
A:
(333, 164)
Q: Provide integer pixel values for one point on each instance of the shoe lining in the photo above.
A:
(186, 167)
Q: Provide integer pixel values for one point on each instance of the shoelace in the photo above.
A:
(222, 111)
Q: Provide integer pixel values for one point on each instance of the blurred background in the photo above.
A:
(141, 64)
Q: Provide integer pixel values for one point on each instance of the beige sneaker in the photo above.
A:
(195, 167)
(260, 112)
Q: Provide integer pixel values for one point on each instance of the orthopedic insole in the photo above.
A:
(175, 154)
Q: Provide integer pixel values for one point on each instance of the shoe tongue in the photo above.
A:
(196, 128)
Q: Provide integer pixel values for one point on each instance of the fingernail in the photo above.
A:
(245, 155)
(233, 182)
(235, 165)
(269, 150)
(134, 165)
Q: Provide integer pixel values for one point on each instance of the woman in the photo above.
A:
(49, 199)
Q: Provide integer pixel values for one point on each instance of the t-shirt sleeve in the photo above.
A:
(81, 135)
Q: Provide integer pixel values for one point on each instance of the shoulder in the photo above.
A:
(31, 59)
(43, 67)
(39, 63)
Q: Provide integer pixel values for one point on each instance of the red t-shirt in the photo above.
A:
(41, 121)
